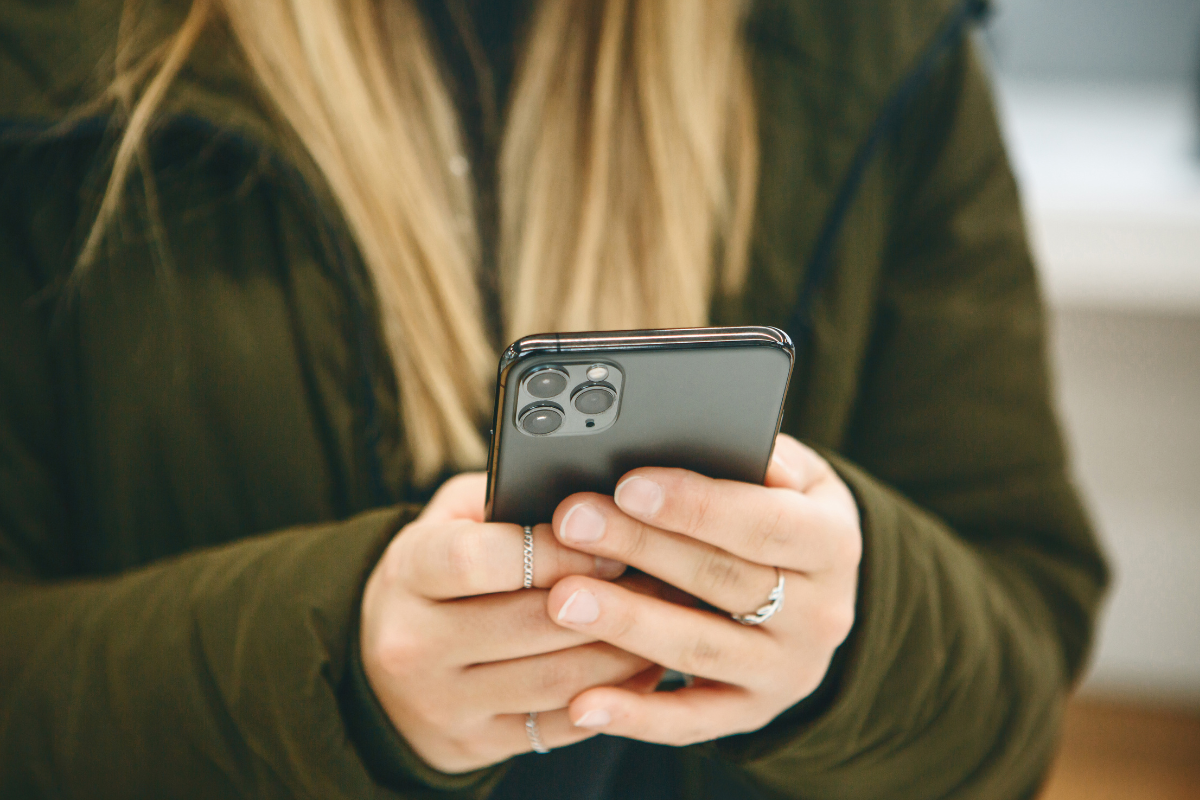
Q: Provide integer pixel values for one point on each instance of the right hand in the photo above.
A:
(458, 654)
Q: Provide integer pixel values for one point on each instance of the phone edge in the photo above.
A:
(591, 341)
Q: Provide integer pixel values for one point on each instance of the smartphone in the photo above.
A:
(576, 411)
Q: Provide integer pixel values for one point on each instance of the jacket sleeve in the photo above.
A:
(225, 672)
(980, 579)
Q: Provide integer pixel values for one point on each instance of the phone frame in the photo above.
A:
(585, 342)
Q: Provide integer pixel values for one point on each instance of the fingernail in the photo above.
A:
(583, 523)
(639, 497)
(607, 568)
(580, 608)
(596, 718)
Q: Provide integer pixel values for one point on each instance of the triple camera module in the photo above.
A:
(568, 398)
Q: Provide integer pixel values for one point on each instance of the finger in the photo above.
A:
(460, 497)
(497, 627)
(507, 735)
(645, 681)
(771, 526)
(550, 681)
(595, 524)
(466, 559)
(554, 728)
(682, 717)
(688, 640)
(795, 466)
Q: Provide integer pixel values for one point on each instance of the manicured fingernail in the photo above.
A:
(582, 524)
(580, 608)
(607, 568)
(596, 718)
(639, 497)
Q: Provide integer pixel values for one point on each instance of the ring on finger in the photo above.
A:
(765, 612)
(528, 582)
(531, 731)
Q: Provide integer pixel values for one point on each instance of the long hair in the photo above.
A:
(627, 173)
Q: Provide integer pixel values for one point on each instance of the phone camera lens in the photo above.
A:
(540, 420)
(594, 399)
(546, 382)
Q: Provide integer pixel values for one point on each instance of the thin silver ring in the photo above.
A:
(765, 612)
(535, 736)
(528, 557)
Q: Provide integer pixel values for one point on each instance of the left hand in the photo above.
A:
(721, 541)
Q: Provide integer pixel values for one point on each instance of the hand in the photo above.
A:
(458, 654)
(722, 542)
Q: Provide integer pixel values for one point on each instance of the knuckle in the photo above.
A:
(621, 622)
(557, 676)
(466, 553)
(719, 570)
(634, 543)
(398, 652)
(773, 533)
(697, 507)
(530, 613)
(700, 656)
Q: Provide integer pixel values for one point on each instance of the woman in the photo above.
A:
(251, 301)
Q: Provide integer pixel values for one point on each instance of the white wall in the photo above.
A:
(1129, 389)
(1099, 104)
(1089, 40)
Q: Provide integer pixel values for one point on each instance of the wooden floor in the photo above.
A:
(1116, 752)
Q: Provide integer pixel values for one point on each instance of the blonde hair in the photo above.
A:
(627, 174)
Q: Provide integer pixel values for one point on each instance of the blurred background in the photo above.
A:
(1100, 101)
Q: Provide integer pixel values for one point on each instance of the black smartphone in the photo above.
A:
(576, 411)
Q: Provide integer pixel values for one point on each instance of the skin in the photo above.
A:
(457, 653)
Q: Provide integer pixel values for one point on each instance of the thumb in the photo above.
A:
(794, 466)
(460, 498)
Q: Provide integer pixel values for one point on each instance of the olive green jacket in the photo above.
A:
(201, 460)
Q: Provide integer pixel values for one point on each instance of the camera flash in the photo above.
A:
(597, 373)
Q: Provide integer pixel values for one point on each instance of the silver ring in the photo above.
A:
(528, 557)
(535, 736)
(764, 613)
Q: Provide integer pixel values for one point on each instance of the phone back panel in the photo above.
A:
(713, 407)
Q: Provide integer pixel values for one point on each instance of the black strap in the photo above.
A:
(821, 262)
